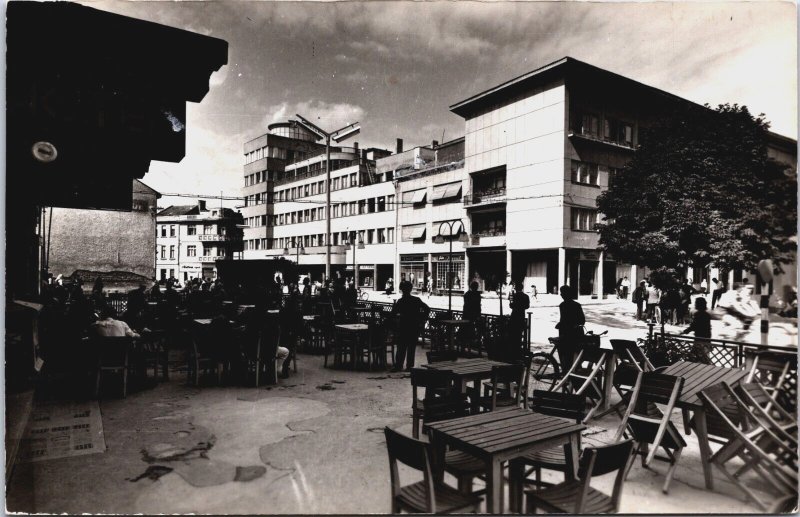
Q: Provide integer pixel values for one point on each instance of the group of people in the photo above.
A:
(670, 305)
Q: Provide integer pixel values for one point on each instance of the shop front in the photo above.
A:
(190, 271)
(449, 270)
(414, 268)
(487, 267)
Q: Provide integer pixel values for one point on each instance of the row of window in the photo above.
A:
(191, 251)
(256, 199)
(363, 206)
(598, 127)
(445, 193)
(191, 229)
(257, 177)
(265, 152)
(583, 219)
(586, 173)
(371, 236)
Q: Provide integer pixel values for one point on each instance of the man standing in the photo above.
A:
(653, 299)
(640, 298)
(520, 303)
(626, 286)
(719, 288)
(569, 327)
(410, 314)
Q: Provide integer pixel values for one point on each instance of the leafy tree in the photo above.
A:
(702, 190)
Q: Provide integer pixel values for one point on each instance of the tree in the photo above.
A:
(701, 190)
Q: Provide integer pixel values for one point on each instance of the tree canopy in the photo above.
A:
(701, 189)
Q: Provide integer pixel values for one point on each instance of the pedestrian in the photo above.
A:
(619, 289)
(639, 297)
(701, 326)
(570, 327)
(626, 286)
(719, 289)
(534, 292)
(428, 284)
(686, 292)
(390, 286)
(653, 299)
(520, 303)
(410, 314)
(472, 309)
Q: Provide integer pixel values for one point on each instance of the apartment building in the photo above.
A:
(191, 238)
(362, 217)
(539, 149)
(429, 185)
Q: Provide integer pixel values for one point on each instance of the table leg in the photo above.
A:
(438, 448)
(571, 454)
(515, 474)
(494, 488)
(608, 381)
(705, 448)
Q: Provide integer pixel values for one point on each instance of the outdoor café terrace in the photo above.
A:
(194, 414)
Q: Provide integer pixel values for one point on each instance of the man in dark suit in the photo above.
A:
(569, 327)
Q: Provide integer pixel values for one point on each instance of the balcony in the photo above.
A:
(596, 139)
(487, 238)
(217, 238)
(485, 197)
(211, 258)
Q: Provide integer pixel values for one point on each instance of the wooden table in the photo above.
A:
(696, 378)
(505, 435)
(203, 321)
(451, 325)
(361, 330)
(467, 370)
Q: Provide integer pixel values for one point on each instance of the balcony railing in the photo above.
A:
(218, 238)
(490, 233)
(212, 258)
(485, 197)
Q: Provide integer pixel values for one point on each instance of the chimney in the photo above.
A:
(399, 145)
(201, 205)
(355, 146)
(434, 144)
(363, 155)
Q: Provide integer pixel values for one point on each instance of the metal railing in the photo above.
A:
(484, 196)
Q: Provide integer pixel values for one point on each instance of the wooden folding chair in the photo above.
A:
(428, 495)
(584, 376)
(648, 425)
(578, 496)
(774, 370)
(553, 403)
(746, 441)
(505, 389)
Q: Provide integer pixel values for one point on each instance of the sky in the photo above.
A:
(396, 67)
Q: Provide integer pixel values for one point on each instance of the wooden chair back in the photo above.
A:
(112, 351)
(438, 356)
(722, 412)
(755, 394)
(646, 422)
(558, 403)
(599, 461)
(628, 352)
(434, 381)
(412, 453)
(508, 375)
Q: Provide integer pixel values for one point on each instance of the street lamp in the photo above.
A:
(439, 239)
(359, 245)
(299, 249)
(337, 136)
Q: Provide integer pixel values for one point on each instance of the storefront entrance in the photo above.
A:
(487, 267)
(448, 272)
(413, 268)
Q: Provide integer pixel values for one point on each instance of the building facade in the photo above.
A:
(93, 242)
(539, 149)
(191, 238)
(429, 185)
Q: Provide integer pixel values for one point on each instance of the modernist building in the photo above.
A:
(539, 149)
(190, 239)
(430, 184)
(114, 244)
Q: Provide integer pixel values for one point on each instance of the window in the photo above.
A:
(313, 189)
(371, 205)
(353, 181)
(321, 187)
(390, 202)
(589, 125)
(584, 173)
(313, 214)
(163, 231)
(381, 235)
(172, 252)
(352, 210)
(361, 205)
(413, 232)
(172, 273)
(382, 204)
(299, 216)
(370, 236)
(389, 235)
(583, 219)
(172, 230)
(626, 134)
(320, 213)
(163, 252)
(191, 251)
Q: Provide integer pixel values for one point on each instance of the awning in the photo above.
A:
(439, 193)
(453, 190)
(417, 233)
(419, 196)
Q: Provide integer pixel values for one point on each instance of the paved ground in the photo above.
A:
(312, 444)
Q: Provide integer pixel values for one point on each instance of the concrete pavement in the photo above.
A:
(312, 444)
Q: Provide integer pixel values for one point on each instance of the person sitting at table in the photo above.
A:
(108, 326)
(410, 314)
(569, 327)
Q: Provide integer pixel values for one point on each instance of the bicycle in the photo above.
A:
(546, 369)
(362, 295)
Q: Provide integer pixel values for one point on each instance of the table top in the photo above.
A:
(273, 311)
(503, 431)
(203, 321)
(697, 377)
(362, 309)
(353, 326)
(308, 317)
(247, 306)
(454, 322)
(473, 366)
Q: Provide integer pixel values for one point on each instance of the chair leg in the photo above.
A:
(97, 384)
(124, 382)
(673, 465)
(686, 426)
(415, 429)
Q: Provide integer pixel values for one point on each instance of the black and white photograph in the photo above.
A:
(377, 257)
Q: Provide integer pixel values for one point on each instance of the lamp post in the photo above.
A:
(298, 250)
(439, 239)
(337, 136)
(359, 245)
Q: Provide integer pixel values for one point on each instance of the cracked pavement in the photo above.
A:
(290, 448)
